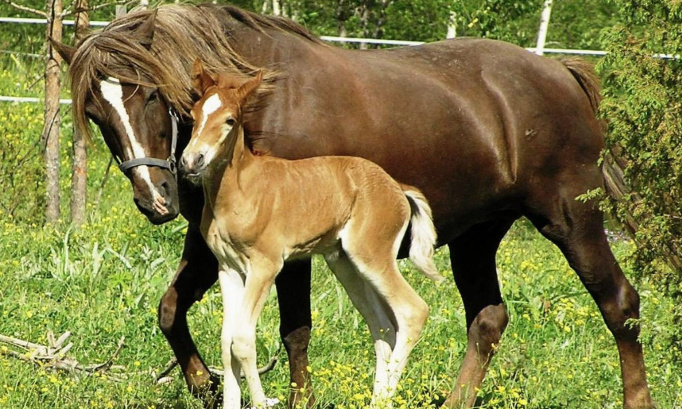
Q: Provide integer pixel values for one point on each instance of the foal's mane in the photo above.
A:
(182, 34)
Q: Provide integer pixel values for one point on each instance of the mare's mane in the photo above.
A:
(181, 35)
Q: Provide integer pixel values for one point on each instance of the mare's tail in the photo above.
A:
(584, 74)
(423, 238)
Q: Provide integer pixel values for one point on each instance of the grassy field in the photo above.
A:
(103, 282)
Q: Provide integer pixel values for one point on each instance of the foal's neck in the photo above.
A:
(224, 177)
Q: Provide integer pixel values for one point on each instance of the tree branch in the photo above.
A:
(69, 12)
(24, 8)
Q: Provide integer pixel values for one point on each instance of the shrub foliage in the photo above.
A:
(643, 99)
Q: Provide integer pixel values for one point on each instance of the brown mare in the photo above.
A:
(261, 211)
(488, 131)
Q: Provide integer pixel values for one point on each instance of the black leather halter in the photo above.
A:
(159, 163)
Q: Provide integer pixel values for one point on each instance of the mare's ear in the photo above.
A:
(145, 31)
(201, 79)
(250, 85)
(64, 50)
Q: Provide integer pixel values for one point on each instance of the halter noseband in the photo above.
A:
(159, 163)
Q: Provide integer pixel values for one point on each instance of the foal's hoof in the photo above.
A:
(269, 403)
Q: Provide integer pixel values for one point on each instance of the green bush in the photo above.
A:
(643, 107)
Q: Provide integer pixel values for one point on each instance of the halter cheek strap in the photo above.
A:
(168, 163)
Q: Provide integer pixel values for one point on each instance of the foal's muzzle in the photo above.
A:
(192, 165)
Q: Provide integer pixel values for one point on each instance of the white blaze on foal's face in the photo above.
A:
(214, 120)
(112, 92)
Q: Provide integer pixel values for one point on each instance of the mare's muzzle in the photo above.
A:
(160, 201)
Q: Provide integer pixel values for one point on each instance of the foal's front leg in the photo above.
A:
(232, 289)
(259, 281)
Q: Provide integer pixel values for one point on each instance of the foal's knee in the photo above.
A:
(243, 345)
(487, 328)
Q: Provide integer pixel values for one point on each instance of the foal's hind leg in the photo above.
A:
(197, 272)
(373, 309)
(577, 229)
(473, 264)
(390, 296)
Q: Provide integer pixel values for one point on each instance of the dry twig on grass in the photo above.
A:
(163, 375)
(53, 355)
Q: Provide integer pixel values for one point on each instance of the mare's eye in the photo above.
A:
(153, 97)
(230, 121)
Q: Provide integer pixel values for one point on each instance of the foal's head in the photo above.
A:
(217, 119)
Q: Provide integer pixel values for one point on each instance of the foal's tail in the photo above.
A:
(423, 234)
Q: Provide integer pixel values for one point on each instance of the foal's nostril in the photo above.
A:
(199, 162)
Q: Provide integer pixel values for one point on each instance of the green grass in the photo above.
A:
(103, 282)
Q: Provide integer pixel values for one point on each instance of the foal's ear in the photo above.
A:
(250, 85)
(145, 31)
(201, 79)
(64, 50)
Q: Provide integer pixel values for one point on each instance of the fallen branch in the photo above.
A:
(161, 377)
(53, 355)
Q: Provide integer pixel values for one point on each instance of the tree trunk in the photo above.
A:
(452, 25)
(79, 170)
(50, 134)
(381, 19)
(363, 11)
(544, 26)
(276, 8)
(341, 17)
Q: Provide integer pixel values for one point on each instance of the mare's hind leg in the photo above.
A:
(197, 272)
(473, 264)
(577, 229)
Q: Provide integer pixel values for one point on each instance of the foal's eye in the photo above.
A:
(230, 121)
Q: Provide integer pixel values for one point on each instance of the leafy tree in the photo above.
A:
(643, 109)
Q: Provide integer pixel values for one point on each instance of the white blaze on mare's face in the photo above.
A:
(113, 94)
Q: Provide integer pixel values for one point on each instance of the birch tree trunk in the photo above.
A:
(363, 11)
(544, 26)
(341, 17)
(79, 169)
(50, 134)
(381, 19)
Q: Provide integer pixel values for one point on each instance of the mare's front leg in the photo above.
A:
(197, 272)
(293, 296)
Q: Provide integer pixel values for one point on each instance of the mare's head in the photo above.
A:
(135, 117)
(217, 119)
(130, 77)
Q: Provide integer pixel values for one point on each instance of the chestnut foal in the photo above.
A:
(261, 211)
